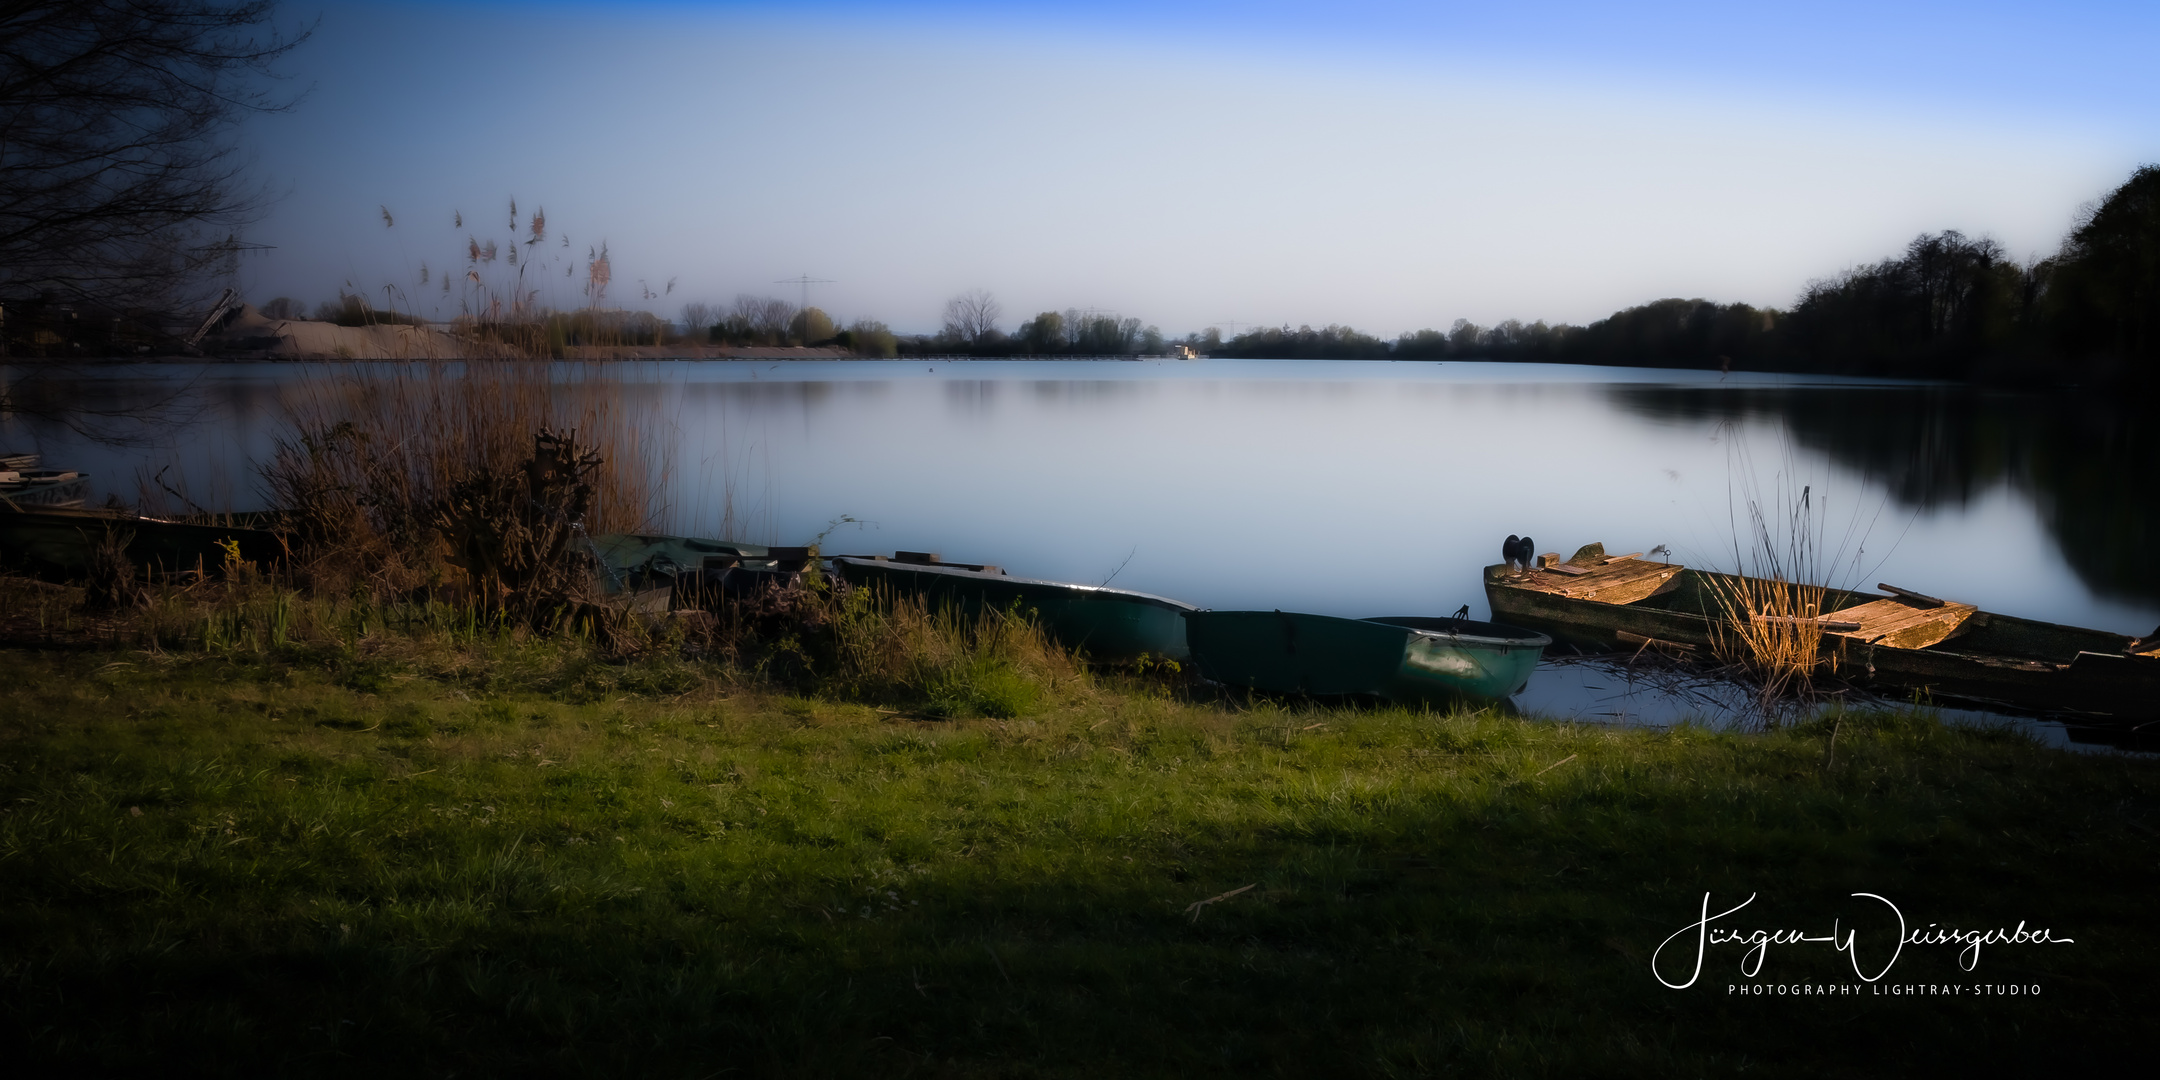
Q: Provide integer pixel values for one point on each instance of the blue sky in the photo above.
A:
(1390, 166)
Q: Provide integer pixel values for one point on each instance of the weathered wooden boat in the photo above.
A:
(1400, 658)
(58, 542)
(654, 572)
(1105, 623)
(25, 486)
(1898, 641)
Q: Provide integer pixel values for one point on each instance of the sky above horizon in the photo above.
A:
(1389, 166)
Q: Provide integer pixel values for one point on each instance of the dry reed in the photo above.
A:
(1772, 603)
(371, 453)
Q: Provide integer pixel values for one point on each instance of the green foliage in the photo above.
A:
(811, 326)
(2104, 289)
(869, 337)
(1328, 343)
(1943, 309)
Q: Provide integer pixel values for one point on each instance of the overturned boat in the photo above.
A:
(1103, 622)
(656, 572)
(59, 542)
(1405, 658)
(1897, 640)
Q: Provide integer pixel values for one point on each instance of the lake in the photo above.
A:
(1340, 487)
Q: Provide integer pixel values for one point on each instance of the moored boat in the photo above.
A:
(25, 486)
(1400, 658)
(1105, 623)
(58, 541)
(1898, 640)
(653, 572)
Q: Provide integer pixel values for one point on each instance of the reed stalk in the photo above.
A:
(370, 453)
(1766, 622)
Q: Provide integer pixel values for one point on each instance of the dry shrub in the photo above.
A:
(1769, 629)
(109, 581)
(1769, 626)
(396, 478)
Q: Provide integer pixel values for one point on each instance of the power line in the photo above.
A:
(805, 281)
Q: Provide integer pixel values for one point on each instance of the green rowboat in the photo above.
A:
(1105, 623)
(1401, 658)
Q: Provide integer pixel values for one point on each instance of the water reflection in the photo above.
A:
(1620, 692)
(2084, 462)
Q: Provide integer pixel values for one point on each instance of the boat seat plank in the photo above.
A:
(1903, 623)
(1620, 581)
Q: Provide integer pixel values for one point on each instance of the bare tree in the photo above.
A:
(972, 317)
(698, 317)
(764, 318)
(120, 178)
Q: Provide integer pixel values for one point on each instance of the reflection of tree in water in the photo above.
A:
(2086, 462)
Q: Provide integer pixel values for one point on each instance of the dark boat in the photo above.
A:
(1106, 623)
(1400, 658)
(1899, 640)
(24, 486)
(654, 572)
(58, 542)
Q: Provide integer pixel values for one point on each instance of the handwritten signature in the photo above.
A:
(1759, 941)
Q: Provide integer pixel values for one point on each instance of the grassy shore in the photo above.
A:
(529, 859)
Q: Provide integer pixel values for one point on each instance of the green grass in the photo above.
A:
(525, 860)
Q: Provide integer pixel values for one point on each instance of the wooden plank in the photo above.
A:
(1922, 599)
(1904, 623)
(1622, 558)
(1827, 623)
(1625, 584)
(1630, 638)
(1617, 583)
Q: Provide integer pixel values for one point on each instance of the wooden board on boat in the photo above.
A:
(1903, 623)
(1622, 580)
(1906, 643)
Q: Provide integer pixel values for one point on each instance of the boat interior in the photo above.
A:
(1896, 617)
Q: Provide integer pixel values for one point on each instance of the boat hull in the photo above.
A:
(59, 542)
(1402, 658)
(68, 491)
(1103, 622)
(1997, 661)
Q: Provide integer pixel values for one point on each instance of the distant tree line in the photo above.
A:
(1950, 306)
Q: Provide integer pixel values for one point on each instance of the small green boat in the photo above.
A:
(1401, 658)
(655, 571)
(1106, 623)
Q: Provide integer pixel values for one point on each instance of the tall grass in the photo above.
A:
(898, 648)
(1772, 605)
(1770, 609)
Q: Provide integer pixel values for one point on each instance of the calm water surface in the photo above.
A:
(1346, 488)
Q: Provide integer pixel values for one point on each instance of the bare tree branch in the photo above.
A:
(121, 181)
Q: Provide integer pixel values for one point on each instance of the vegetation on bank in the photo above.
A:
(390, 838)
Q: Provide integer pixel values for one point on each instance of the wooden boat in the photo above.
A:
(1401, 658)
(57, 542)
(1104, 622)
(1898, 641)
(24, 486)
